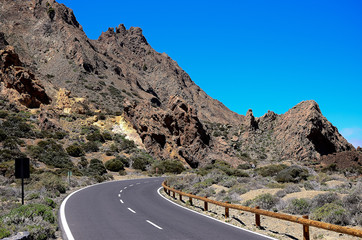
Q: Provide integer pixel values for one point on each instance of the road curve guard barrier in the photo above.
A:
(301, 220)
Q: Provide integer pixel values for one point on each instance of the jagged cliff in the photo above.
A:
(121, 73)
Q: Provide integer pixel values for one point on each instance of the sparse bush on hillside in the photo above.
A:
(140, 160)
(321, 199)
(264, 201)
(90, 147)
(271, 170)
(96, 167)
(114, 165)
(50, 153)
(331, 213)
(291, 189)
(75, 150)
(95, 137)
(292, 174)
(168, 166)
(298, 206)
(37, 219)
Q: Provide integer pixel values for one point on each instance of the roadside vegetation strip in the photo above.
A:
(258, 212)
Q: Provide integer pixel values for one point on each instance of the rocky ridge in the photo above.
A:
(120, 73)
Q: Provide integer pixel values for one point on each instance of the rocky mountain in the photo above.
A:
(44, 51)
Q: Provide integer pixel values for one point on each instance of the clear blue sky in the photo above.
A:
(258, 54)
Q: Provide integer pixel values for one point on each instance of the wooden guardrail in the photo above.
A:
(301, 220)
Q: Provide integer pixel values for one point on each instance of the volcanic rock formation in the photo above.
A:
(121, 73)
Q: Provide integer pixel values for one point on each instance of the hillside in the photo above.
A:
(120, 74)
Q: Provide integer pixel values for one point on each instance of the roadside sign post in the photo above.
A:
(22, 170)
(69, 175)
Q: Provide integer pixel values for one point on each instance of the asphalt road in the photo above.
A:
(134, 210)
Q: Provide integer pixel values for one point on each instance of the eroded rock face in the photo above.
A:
(26, 88)
(304, 133)
(176, 132)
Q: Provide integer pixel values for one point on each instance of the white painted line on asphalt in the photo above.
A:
(212, 217)
(131, 210)
(131, 185)
(125, 187)
(119, 195)
(138, 183)
(64, 223)
(120, 190)
(154, 224)
(121, 201)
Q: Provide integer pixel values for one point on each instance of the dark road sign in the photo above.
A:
(22, 168)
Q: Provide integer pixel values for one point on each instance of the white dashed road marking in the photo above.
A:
(138, 183)
(131, 210)
(121, 201)
(119, 195)
(156, 226)
(120, 190)
(131, 185)
(125, 187)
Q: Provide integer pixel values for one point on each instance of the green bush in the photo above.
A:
(16, 126)
(37, 219)
(96, 167)
(141, 160)
(114, 165)
(271, 170)
(7, 155)
(53, 183)
(50, 202)
(90, 147)
(107, 136)
(3, 114)
(95, 137)
(331, 213)
(50, 153)
(30, 211)
(4, 233)
(264, 201)
(298, 206)
(169, 166)
(321, 199)
(75, 150)
(292, 174)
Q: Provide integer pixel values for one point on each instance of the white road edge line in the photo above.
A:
(63, 219)
(121, 201)
(131, 210)
(154, 224)
(212, 217)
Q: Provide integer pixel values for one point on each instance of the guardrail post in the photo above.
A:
(226, 211)
(305, 229)
(257, 218)
(174, 194)
(205, 205)
(180, 197)
(190, 199)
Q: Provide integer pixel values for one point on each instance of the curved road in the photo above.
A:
(133, 209)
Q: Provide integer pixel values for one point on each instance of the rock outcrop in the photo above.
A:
(121, 73)
(19, 81)
(173, 133)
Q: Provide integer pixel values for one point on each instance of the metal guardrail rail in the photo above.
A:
(301, 220)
